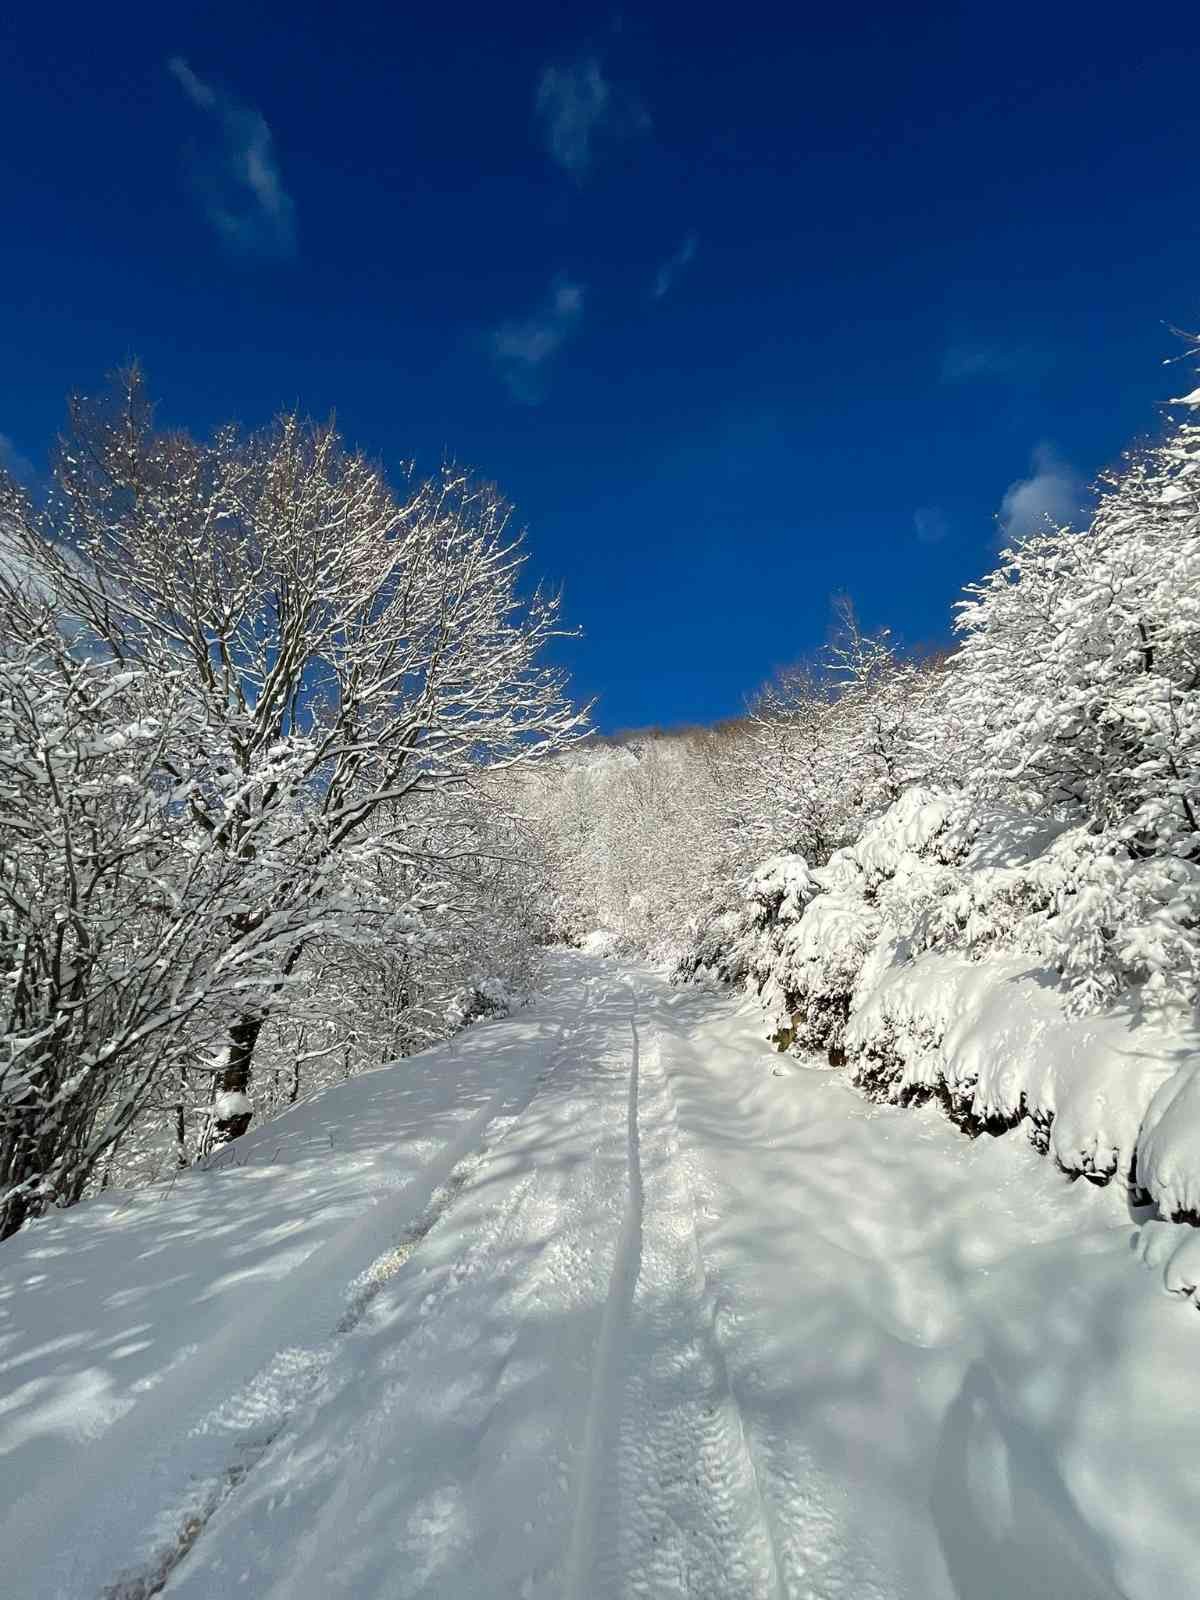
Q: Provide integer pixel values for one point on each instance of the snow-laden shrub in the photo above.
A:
(742, 940)
(993, 1042)
(1168, 1159)
(1107, 923)
(800, 937)
(943, 954)
(867, 890)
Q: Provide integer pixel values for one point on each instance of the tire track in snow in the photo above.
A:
(761, 1531)
(594, 1488)
(477, 1402)
(452, 1446)
(495, 1128)
(817, 1553)
(693, 1519)
(292, 1377)
(385, 1267)
(667, 1498)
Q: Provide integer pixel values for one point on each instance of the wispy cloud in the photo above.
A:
(524, 350)
(237, 177)
(930, 524)
(673, 266)
(579, 109)
(1051, 496)
(970, 359)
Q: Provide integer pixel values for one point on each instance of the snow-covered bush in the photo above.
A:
(801, 936)
(930, 957)
(744, 941)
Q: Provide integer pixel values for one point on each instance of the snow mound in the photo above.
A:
(1173, 1250)
(230, 1103)
(1168, 1164)
(1002, 963)
(995, 1038)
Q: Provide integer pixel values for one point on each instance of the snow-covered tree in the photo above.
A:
(634, 839)
(837, 741)
(346, 650)
(120, 949)
(251, 699)
(1077, 692)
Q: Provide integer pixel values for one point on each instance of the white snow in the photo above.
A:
(230, 1103)
(996, 1035)
(1168, 1163)
(937, 954)
(604, 1300)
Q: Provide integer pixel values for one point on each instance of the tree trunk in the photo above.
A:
(14, 1209)
(231, 1122)
(234, 1118)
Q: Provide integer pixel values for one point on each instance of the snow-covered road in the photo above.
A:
(606, 1300)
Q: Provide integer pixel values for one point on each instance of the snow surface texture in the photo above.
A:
(606, 1300)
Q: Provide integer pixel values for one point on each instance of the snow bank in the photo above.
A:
(999, 963)
(1173, 1250)
(993, 1036)
(1169, 1149)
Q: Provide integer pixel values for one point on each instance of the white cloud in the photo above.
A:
(931, 524)
(238, 180)
(1050, 497)
(525, 348)
(967, 360)
(674, 265)
(579, 108)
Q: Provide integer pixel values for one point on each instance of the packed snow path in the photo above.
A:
(606, 1300)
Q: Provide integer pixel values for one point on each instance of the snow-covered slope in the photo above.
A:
(605, 1300)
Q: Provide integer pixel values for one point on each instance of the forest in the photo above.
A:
(290, 787)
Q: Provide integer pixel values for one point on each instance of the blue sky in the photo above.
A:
(742, 308)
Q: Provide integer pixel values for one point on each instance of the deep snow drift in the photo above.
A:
(605, 1300)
